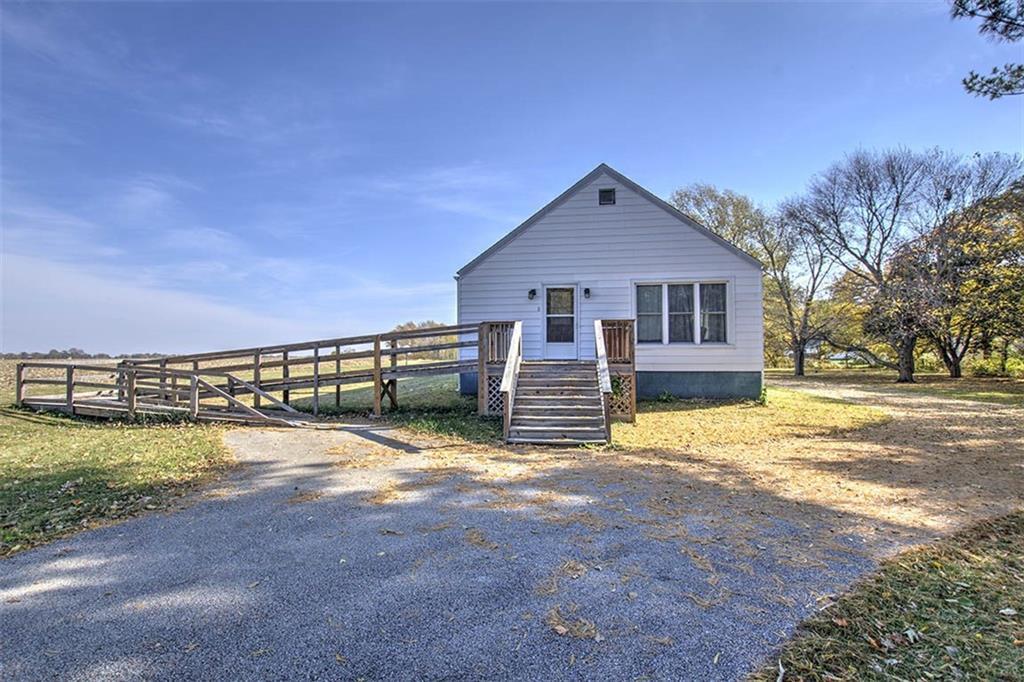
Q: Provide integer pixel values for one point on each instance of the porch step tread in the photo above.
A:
(556, 441)
(518, 428)
(521, 418)
(557, 403)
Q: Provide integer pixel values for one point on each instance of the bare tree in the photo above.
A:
(859, 213)
(797, 268)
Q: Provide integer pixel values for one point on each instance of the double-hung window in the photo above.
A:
(692, 312)
(680, 313)
(648, 313)
(712, 313)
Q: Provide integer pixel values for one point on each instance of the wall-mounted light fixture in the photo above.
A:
(532, 294)
(586, 292)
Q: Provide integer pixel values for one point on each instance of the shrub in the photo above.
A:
(980, 367)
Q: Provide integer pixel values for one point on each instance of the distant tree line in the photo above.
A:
(888, 256)
(71, 353)
(441, 354)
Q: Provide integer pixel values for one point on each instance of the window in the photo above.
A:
(668, 313)
(606, 197)
(680, 313)
(648, 314)
(712, 313)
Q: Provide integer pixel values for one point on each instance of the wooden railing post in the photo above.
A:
(163, 380)
(69, 389)
(376, 376)
(129, 393)
(257, 360)
(337, 372)
(393, 382)
(481, 369)
(316, 380)
(193, 396)
(285, 373)
(19, 384)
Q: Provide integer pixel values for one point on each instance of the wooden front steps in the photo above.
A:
(557, 403)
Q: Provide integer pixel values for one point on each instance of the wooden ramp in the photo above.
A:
(258, 385)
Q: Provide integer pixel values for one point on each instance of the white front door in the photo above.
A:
(560, 315)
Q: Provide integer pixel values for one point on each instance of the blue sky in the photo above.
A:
(193, 176)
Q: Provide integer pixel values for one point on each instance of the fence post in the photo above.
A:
(257, 359)
(316, 380)
(163, 380)
(393, 382)
(19, 384)
(337, 371)
(69, 389)
(481, 368)
(193, 396)
(376, 376)
(285, 373)
(130, 392)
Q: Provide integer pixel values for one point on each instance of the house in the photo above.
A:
(607, 248)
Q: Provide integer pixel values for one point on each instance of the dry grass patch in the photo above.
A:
(303, 496)
(570, 625)
(477, 538)
(696, 425)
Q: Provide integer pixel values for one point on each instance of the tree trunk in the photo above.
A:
(799, 355)
(1004, 355)
(950, 360)
(905, 362)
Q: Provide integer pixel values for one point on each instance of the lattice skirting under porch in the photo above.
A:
(495, 403)
(622, 394)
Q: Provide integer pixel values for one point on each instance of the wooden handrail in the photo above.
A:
(604, 378)
(448, 330)
(510, 377)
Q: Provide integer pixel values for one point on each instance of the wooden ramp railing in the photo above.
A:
(240, 383)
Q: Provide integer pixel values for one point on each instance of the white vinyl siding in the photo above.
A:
(610, 250)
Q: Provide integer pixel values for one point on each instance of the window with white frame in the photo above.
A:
(712, 313)
(681, 312)
(648, 313)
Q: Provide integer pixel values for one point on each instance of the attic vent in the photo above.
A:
(606, 197)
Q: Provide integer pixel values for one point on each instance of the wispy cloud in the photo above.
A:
(471, 190)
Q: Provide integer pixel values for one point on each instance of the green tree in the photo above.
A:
(1002, 20)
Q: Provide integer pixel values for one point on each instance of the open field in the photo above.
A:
(1004, 391)
(59, 475)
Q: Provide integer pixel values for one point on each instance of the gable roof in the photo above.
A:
(623, 180)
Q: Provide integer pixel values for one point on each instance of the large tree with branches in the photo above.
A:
(858, 212)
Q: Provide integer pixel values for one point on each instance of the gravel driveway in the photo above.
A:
(354, 553)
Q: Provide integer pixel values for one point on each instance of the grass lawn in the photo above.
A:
(952, 610)
(59, 475)
(984, 389)
(698, 424)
